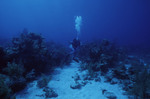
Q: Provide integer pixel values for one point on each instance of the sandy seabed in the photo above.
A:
(61, 81)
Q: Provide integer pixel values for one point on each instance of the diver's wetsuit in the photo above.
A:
(75, 44)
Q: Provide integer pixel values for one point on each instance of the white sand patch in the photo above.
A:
(61, 81)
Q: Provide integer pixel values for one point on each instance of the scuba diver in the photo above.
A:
(75, 44)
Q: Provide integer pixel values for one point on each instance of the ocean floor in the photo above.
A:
(61, 81)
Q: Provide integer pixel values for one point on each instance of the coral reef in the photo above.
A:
(5, 91)
(134, 77)
(3, 59)
(100, 56)
(129, 71)
(141, 87)
(59, 54)
(28, 57)
(30, 50)
(15, 75)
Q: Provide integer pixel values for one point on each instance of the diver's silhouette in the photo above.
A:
(75, 44)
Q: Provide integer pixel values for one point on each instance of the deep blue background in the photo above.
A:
(127, 21)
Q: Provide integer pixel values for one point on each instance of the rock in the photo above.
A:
(84, 83)
(87, 77)
(127, 85)
(42, 95)
(75, 85)
(114, 81)
(50, 93)
(108, 79)
(121, 73)
(103, 91)
(109, 95)
(109, 76)
(98, 79)
(77, 77)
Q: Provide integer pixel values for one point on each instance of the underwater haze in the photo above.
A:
(74, 49)
(127, 21)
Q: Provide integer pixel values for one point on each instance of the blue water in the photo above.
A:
(127, 21)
